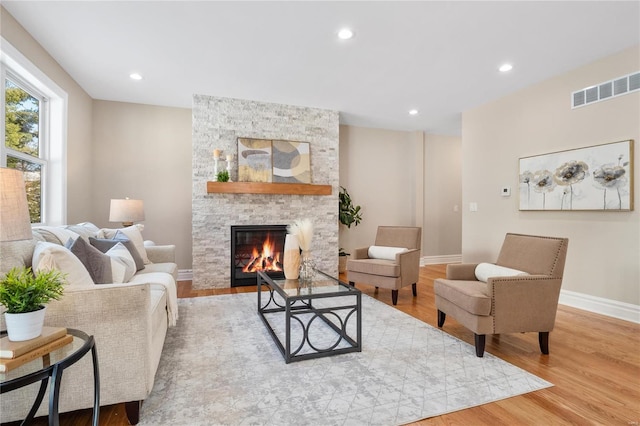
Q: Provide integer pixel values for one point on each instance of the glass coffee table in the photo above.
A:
(313, 319)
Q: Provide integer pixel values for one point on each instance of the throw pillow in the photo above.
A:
(97, 263)
(123, 266)
(55, 234)
(486, 270)
(133, 233)
(386, 253)
(84, 231)
(48, 256)
(104, 245)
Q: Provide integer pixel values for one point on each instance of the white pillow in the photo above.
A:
(48, 256)
(134, 234)
(386, 253)
(486, 270)
(123, 267)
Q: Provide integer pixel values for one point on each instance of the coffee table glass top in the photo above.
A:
(321, 284)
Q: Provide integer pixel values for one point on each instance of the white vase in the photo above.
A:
(291, 260)
(25, 326)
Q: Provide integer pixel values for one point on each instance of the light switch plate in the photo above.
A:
(505, 191)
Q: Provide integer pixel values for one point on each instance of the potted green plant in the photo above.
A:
(349, 214)
(223, 176)
(24, 295)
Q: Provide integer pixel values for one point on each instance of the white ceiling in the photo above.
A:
(438, 57)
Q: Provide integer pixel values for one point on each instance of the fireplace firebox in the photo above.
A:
(256, 248)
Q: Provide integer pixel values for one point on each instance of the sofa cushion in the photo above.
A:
(469, 295)
(133, 233)
(98, 264)
(167, 267)
(104, 245)
(386, 268)
(48, 256)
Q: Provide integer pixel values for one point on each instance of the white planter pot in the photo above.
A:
(24, 326)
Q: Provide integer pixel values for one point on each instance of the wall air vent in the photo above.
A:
(606, 90)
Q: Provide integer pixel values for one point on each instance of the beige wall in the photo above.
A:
(378, 168)
(79, 175)
(604, 253)
(144, 152)
(442, 229)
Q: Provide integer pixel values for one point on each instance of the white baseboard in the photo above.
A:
(599, 305)
(185, 274)
(436, 260)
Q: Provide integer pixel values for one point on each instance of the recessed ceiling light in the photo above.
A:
(135, 76)
(413, 112)
(505, 67)
(345, 34)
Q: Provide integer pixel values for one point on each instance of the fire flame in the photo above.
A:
(266, 260)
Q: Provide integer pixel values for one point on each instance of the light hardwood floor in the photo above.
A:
(594, 364)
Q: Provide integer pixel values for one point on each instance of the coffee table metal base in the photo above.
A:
(302, 310)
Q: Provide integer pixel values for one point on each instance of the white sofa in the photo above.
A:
(129, 322)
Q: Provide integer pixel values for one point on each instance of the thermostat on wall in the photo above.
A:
(506, 191)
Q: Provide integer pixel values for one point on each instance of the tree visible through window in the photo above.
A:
(22, 140)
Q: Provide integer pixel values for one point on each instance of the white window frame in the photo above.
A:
(53, 130)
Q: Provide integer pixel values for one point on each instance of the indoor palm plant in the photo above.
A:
(24, 296)
(349, 214)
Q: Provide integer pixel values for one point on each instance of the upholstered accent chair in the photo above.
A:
(393, 262)
(524, 300)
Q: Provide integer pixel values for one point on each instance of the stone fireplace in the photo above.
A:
(256, 248)
(217, 124)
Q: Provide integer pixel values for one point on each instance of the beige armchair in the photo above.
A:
(386, 264)
(507, 304)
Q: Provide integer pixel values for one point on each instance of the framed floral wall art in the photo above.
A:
(593, 178)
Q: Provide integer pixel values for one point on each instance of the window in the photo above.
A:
(23, 118)
(34, 124)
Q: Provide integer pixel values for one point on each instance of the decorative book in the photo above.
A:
(7, 364)
(9, 349)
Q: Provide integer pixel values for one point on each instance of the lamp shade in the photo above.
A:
(15, 223)
(126, 211)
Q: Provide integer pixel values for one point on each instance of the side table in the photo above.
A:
(52, 366)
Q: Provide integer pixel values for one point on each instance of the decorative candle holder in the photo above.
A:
(229, 164)
(215, 169)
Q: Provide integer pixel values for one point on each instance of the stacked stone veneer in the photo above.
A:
(218, 123)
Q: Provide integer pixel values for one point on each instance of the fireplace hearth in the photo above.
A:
(256, 248)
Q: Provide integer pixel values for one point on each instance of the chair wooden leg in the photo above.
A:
(441, 318)
(543, 339)
(132, 409)
(394, 296)
(480, 340)
(414, 287)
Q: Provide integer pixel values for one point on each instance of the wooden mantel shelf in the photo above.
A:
(267, 188)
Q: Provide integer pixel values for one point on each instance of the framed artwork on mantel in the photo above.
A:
(266, 160)
(595, 178)
(254, 160)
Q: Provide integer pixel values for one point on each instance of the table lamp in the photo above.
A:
(15, 222)
(126, 211)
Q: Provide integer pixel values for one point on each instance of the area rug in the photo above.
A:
(220, 366)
